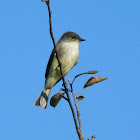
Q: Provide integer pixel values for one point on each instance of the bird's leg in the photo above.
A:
(63, 84)
(63, 89)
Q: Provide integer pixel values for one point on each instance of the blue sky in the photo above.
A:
(111, 109)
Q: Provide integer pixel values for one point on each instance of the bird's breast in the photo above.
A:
(69, 55)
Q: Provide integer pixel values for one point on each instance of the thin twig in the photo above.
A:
(76, 105)
(64, 96)
(64, 82)
(79, 92)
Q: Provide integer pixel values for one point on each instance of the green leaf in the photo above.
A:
(80, 98)
(55, 99)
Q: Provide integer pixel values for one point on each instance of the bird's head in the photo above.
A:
(71, 37)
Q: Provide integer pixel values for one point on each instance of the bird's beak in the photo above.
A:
(82, 39)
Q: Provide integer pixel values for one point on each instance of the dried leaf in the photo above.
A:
(93, 137)
(44, 0)
(94, 80)
(89, 72)
(55, 99)
(80, 98)
(92, 72)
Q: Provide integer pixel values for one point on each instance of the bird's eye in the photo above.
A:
(72, 36)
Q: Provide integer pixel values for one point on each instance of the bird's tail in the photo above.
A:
(43, 98)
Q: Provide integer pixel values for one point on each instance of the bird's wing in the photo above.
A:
(49, 63)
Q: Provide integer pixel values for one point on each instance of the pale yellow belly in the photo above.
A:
(68, 62)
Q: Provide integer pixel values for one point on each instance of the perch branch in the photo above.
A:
(60, 65)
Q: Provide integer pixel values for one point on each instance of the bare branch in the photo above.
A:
(78, 112)
(51, 33)
(64, 82)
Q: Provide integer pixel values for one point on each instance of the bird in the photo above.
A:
(68, 53)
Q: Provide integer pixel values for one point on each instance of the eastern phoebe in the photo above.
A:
(68, 53)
